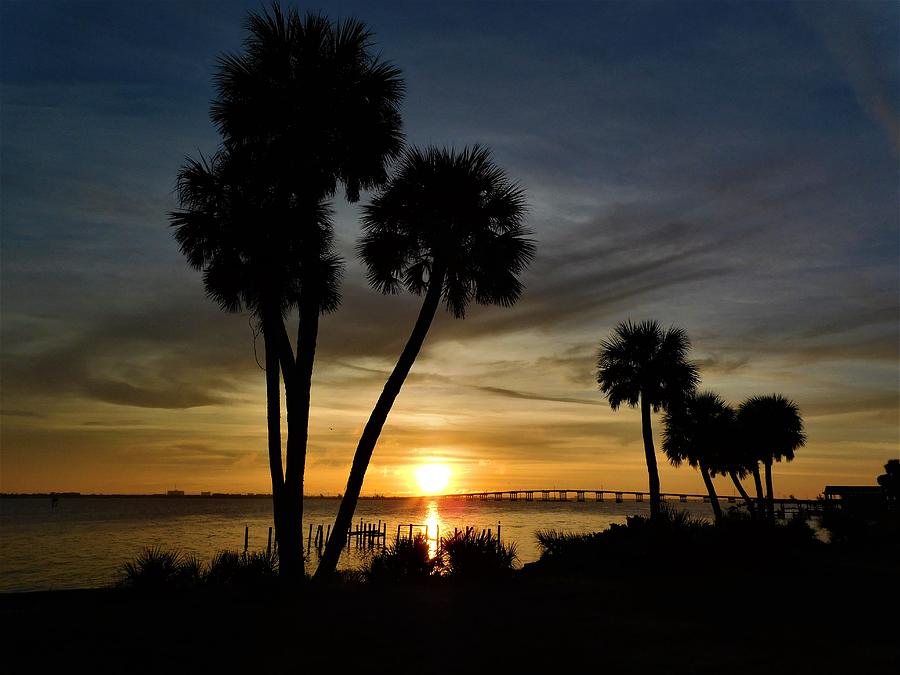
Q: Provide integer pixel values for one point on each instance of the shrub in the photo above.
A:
(405, 559)
(468, 555)
(231, 569)
(156, 569)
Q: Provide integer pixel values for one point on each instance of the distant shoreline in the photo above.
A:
(213, 495)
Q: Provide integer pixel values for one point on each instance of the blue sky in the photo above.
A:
(728, 167)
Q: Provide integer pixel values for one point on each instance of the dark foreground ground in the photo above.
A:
(832, 618)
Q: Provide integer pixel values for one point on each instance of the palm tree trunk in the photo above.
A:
(650, 453)
(770, 497)
(273, 417)
(372, 431)
(711, 489)
(760, 499)
(297, 398)
(743, 492)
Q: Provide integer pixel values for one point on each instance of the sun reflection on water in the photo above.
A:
(432, 527)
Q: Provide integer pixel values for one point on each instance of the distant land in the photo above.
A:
(203, 495)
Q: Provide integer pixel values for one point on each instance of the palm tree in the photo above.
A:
(447, 225)
(240, 232)
(642, 363)
(772, 428)
(315, 102)
(696, 431)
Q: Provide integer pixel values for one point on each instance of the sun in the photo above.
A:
(433, 478)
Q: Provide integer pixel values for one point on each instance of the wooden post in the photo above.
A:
(328, 536)
(269, 545)
(410, 531)
(498, 531)
(246, 537)
(398, 532)
(308, 538)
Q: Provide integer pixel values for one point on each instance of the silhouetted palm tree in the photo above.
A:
(772, 429)
(315, 102)
(241, 233)
(696, 431)
(642, 363)
(447, 225)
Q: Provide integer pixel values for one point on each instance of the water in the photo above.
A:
(83, 541)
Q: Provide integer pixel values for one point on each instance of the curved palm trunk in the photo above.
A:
(711, 489)
(297, 399)
(743, 492)
(770, 496)
(760, 499)
(273, 417)
(650, 453)
(373, 427)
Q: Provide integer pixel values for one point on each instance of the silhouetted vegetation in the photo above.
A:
(641, 543)
(476, 556)
(405, 560)
(643, 364)
(697, 430)
(158, 570)
(306, 106)
(448, 225)
(771, 429)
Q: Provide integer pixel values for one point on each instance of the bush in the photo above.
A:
(468, 555)
(156, 569)
(405, 559)
(230, 569)
(696, 544)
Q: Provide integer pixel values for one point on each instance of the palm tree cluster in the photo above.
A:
(643, 364)
(306, 107)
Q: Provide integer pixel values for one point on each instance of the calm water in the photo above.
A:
(83, 541)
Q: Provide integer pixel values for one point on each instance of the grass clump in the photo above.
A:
(471, 556)
(404, 560)
(156, 569)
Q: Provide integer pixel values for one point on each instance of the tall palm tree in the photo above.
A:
(240, 231)
(772, 429)
(315, 101)
(642, 363)
(447, 225)
(696, 431)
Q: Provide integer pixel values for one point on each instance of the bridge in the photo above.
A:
(619, 496)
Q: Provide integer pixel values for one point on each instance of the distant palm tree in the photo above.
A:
(772, 429)
(239, 231)
(447, 225)
(642, 363)
(696, 431)
(314, 100)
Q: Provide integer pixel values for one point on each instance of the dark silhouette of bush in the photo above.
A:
(404, 560)
(471, 556)
(155, 569)
(230, 569)
(641, 543)
(890, 482)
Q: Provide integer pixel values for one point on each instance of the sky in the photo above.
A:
(729, 168)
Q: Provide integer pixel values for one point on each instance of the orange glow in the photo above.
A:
(433, 478)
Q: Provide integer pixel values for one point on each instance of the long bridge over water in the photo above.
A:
(619, 496)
